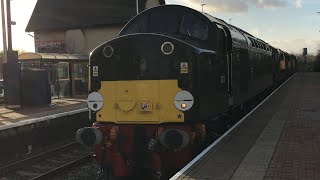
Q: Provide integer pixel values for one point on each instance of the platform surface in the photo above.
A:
(13, 118)
(280, 140)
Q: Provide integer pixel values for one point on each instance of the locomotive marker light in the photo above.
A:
(183, 100)
(95, 101)
(183, 105)
(108, 51)
(167, 48)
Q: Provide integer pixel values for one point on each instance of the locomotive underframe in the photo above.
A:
(128, 150)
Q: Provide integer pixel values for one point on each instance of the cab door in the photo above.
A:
(229, 63)
(213, 78)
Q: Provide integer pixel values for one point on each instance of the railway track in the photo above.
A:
(47, 164)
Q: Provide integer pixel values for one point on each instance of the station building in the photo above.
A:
(61, 26)
(67, 28)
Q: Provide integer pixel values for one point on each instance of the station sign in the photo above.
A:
(50, 46)
(49, 43)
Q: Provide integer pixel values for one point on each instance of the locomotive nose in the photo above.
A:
(142, 78)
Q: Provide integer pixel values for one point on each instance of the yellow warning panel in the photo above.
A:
(139, 102)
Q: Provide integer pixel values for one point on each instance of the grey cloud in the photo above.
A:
(269, 3)
(236, 6)
(229, 5)
(220, 5)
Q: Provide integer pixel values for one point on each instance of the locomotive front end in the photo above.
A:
(143, 102)
(144, 94)
(137, 77)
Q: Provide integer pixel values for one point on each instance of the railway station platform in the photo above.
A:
(29, 115)
(280, 139)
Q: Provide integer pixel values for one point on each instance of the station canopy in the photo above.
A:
(29, 56)
(71, 14)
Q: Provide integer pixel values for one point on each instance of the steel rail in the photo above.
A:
(31, 160)
(55, 171)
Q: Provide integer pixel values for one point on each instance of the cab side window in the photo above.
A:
(194, 27)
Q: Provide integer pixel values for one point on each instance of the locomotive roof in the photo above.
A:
(167, 19)
(69, 14)
(237, 34)
(244, 33)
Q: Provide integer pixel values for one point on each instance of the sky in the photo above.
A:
(290, 25)
(21, 11)
(287, 24)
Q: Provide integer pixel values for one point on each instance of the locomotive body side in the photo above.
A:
(283, 64)
(250, 65)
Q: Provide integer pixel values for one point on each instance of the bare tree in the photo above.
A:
(20, 51)
(316, 65)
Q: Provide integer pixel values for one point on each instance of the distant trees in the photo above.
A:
(316, 65)
(20, 51)
(70, 46)
(301, 58)
(318, 55)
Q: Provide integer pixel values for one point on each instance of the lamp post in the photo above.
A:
(137, 6)
(202, 6)
(318, 13)
(11, 67)
(9, 26)
(4, 33)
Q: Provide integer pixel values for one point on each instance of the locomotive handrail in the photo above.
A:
(206, 51)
